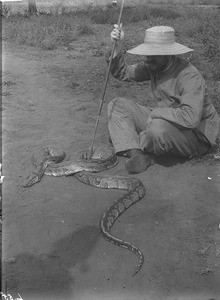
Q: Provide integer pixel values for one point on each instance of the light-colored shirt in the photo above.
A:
(179, 92)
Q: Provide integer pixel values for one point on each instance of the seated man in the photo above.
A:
(183, 121)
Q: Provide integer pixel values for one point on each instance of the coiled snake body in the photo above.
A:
(84, 171)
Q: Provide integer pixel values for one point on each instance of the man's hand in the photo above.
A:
(117, 35)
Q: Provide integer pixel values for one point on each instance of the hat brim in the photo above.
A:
(160, 49)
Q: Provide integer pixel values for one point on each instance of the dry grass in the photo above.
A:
(197, 28)
(45, 31)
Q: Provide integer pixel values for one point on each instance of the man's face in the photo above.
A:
(158, 63)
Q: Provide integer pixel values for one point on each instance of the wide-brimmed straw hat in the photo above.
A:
(160, 40)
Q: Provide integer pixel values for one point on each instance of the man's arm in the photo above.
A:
(119, 69)
(192, 93)
(136, 72)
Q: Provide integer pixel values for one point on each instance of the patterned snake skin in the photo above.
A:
(84, 171)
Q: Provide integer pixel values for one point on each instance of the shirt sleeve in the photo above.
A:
(192, 91)
(120, 70)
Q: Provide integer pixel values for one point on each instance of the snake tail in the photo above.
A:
(136, 192)
(113, 212)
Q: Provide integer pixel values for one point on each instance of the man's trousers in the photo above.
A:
(128, 128)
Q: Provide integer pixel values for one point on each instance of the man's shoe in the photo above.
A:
(138, 161)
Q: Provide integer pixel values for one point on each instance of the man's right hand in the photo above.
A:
(117, 35)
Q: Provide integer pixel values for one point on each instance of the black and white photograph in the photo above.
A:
(110, 161)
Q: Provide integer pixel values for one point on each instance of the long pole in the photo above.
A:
(105, 86)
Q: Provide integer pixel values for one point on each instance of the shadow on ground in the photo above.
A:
(49, 274)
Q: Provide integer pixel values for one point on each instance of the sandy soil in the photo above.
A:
(52, 248)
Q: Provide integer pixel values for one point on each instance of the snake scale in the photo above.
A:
(48, 162)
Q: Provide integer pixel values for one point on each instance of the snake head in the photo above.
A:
(32, 179)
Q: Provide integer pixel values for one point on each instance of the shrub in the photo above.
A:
(164, 12)
(135, 14)
(46, 31)
(203, 28)
(84, 29)
(100, 16)
(131, 14)
(5, 10)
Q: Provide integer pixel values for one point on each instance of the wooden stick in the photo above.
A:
(105, 86)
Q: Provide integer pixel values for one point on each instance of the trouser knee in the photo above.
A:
(157, 128)
(162, 137)
(116, 103)
(157, 137)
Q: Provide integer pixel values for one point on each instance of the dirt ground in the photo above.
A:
(52, 247)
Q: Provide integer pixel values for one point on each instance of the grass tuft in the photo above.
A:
(84, 27)
(163, 12)
(45, 31)
(131, 14)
